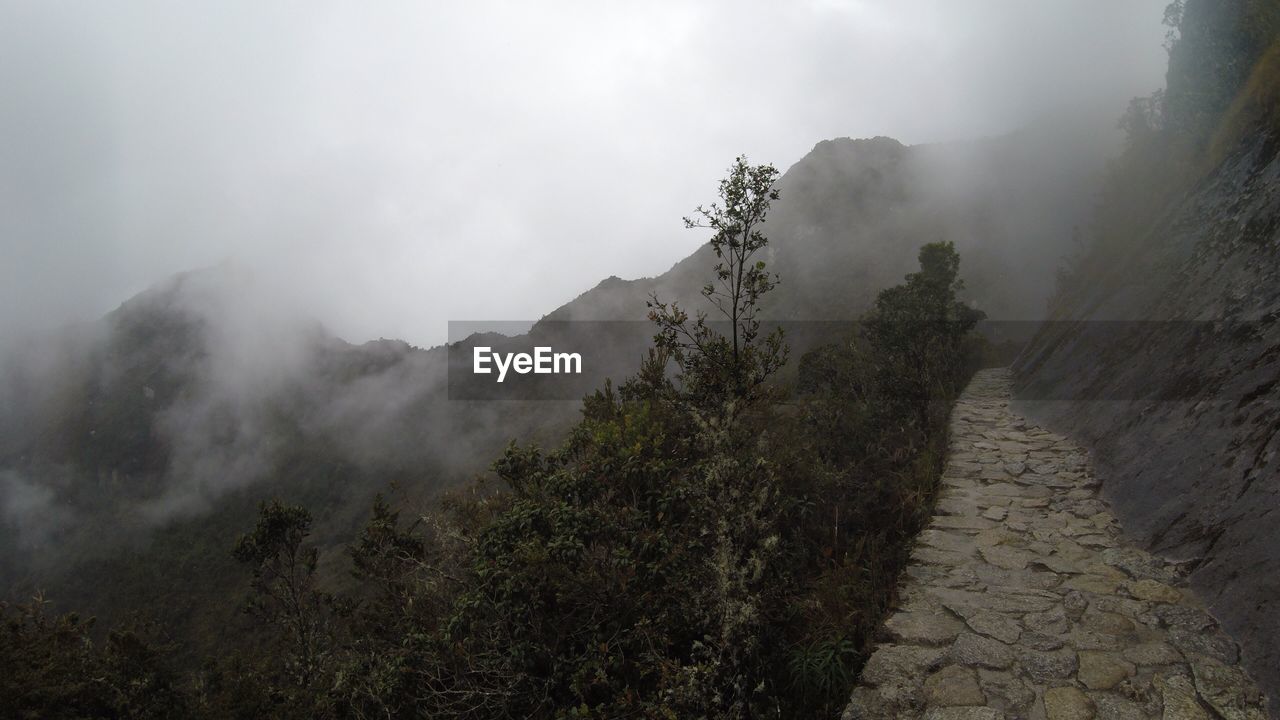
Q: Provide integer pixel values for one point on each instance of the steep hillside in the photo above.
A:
(134, 449)
(1182, 403)
(853, 212)
(1183, 407)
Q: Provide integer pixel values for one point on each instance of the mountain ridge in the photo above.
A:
(212, 402)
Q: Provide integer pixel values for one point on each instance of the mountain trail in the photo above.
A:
(1024, 599)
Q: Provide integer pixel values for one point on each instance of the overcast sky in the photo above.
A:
(392, 166)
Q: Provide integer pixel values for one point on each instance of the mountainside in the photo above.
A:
(853, 213)
(137, 447)
(1183, 407)
(1166, 354)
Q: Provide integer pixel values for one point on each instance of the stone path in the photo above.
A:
(1024, 599)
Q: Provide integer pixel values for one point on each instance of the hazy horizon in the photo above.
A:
(391, 168)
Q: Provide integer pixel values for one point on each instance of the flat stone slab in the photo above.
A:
(1026, 600)
(922, 628)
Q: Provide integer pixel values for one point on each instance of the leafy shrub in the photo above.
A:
(704, 543)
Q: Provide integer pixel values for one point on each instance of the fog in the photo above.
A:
(389, 168)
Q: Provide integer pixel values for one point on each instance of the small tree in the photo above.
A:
(716, 367)
(735, 492)
(284, 582)
(916, 333)
(387, 556)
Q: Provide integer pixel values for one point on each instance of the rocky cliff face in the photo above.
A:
(1182, 409)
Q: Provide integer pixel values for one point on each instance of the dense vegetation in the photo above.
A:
(705, 542)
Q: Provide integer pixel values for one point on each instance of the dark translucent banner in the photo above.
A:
(1099, 360)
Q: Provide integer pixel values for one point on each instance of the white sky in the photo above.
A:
(391, 166)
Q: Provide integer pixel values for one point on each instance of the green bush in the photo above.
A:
(704, 543)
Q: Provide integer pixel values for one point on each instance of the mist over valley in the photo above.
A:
(734, 504)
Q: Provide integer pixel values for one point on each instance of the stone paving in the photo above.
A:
(1024, 599)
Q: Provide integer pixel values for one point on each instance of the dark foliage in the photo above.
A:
(702, 544)
(51, 668)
